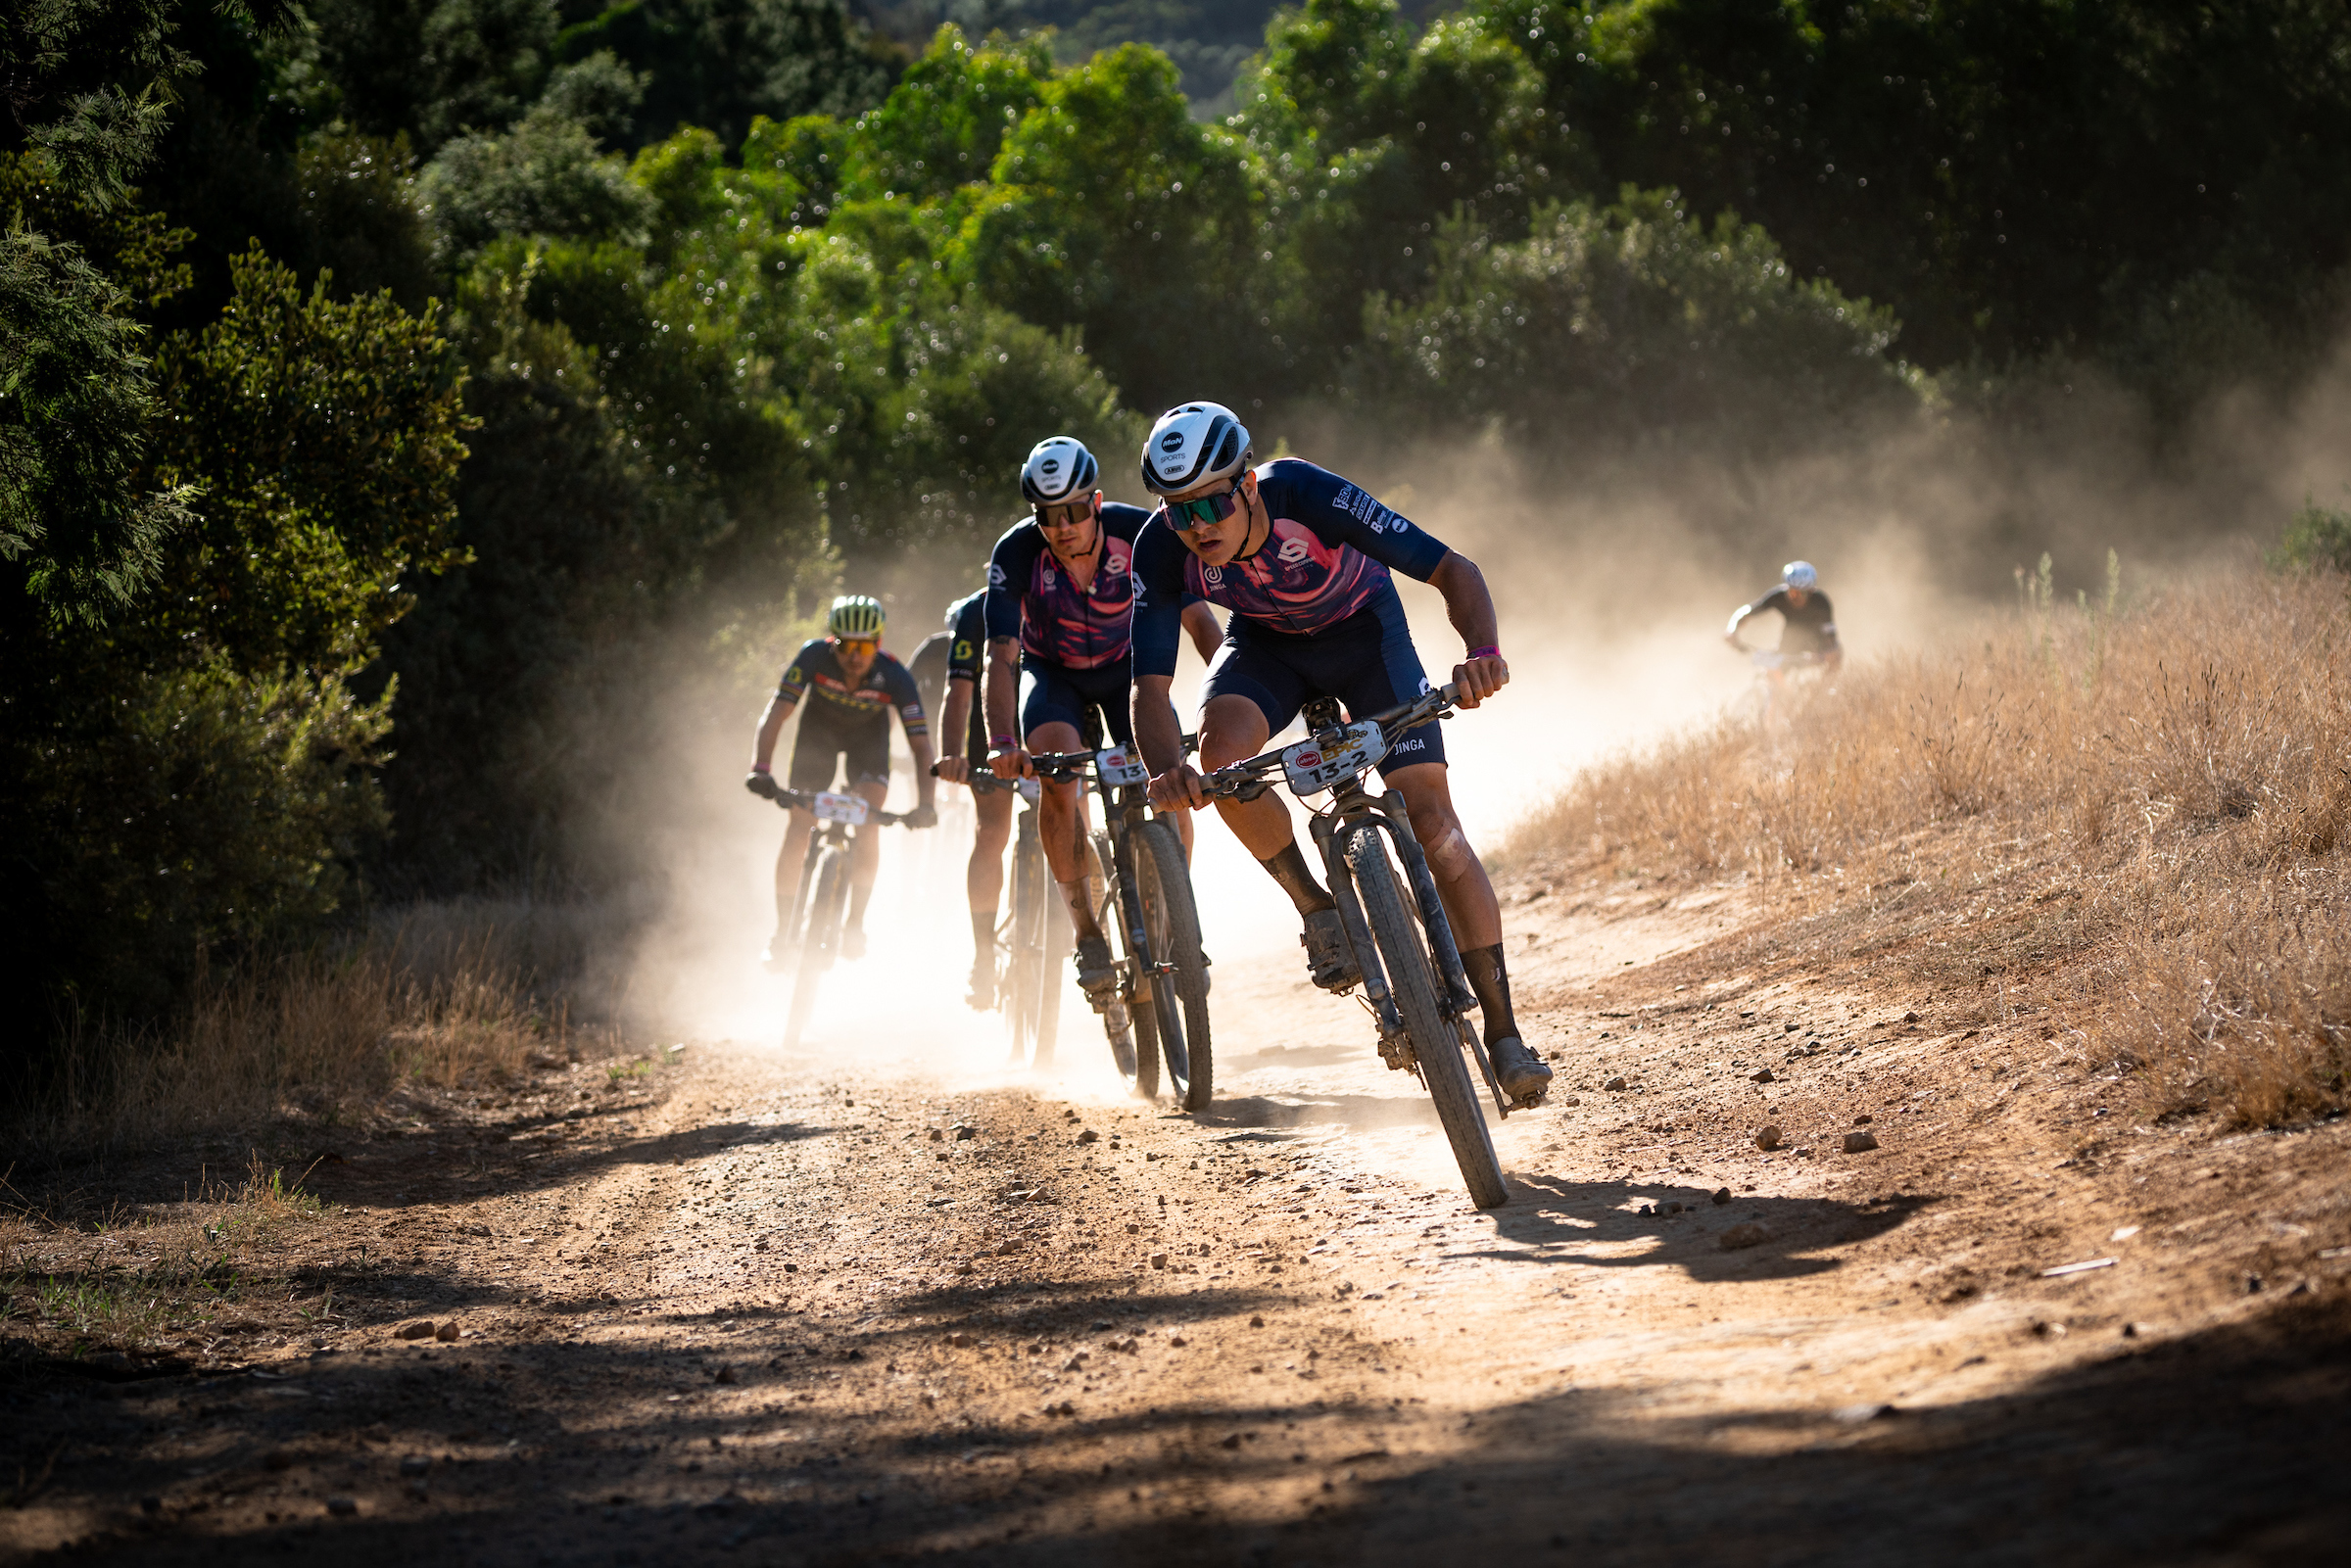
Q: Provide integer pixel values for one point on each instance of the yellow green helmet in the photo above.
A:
(855, 615)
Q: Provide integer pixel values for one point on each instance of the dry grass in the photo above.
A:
(182, 1275)
(438, 994)
(2126, 833)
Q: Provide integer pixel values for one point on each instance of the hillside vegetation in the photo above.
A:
(2126, 831)
(395, 397)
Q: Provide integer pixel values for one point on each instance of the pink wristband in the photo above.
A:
(1004, 740)
(1485, 654)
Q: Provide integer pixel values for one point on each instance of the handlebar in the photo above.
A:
(1252, 778)
(805, 801)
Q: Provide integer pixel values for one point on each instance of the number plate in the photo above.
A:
(1313, 768)
(1119, 766)
(848, 809)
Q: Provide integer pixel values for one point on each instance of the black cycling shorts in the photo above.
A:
(863, 744)
(1053, 693)
(1366, 661)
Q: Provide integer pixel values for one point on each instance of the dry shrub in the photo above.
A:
(2147, 812)
(437, 993)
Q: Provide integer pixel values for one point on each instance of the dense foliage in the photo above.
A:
(402, 373)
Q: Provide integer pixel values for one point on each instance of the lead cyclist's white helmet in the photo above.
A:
(1059, 469)
(1194, 444)
(1800, 574)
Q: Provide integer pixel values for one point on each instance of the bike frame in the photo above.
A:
(1124, 808)
(1353, 812)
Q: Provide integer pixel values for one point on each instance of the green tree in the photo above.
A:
(1608, 326)
(1111, 211)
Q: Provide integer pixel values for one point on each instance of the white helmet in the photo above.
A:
(1800, 574)
(1059, 469)
(1193, 445)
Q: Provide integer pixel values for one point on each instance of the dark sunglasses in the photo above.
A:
(1185, 516)
(1066, 515)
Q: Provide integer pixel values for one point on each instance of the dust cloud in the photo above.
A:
(1612, 590)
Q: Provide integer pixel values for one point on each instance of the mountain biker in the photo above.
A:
(1300, 559)
(851, 686)
(1060, 585)
(984, 877)
(1807, 626)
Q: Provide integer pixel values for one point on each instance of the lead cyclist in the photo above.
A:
(1299, 558)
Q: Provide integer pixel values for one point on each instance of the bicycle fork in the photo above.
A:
(1335, 834)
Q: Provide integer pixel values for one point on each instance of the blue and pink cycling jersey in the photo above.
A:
(1032, 596)
(1326, 559)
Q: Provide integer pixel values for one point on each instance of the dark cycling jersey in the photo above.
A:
(929, 667)
(816, 671)
(1032, 596)
(1325, 560)
(1811, 629)
(966, 639)
(966, 635)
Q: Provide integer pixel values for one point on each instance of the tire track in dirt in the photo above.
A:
(796, 1313)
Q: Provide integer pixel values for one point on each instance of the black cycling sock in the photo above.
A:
(1297, 879)
(984, 932)
(1492, 984)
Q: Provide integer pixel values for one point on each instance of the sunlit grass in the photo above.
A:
(2120, 835)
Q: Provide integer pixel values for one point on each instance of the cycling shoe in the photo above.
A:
(1327, 954)
(1520, 1072)
(852, 941)
(979, 993)
(775, 957)
(1097, 970)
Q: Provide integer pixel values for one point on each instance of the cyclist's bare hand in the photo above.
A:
(1179, 789)
(1010, 762)
(954, 770)
(1480, 679)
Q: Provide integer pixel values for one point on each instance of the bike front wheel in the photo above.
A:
(1178, 1004)
(1126, 1013)
(820, 939)
(1436, 1044)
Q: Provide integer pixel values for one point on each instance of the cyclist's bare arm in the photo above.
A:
(1200, 623)
(771, 725)
(1159, 736)
(1730, 633)
(1470, 609)
(1003, 702)
(952, 723)
(926, 783)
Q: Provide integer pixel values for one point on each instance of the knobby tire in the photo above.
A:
(1179, 1007)
(1137, 1054)
(820, 939)
(1412, 976)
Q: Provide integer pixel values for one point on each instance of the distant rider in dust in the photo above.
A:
(851, 686)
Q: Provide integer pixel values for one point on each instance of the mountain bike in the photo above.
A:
(1414, 983)
(1768, 699)
(819, 904)
(1159, 1010)
(1034, 939)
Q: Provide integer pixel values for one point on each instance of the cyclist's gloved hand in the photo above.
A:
(923, 816)
(761, 784)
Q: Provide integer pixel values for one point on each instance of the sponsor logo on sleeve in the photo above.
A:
(1369, 512)
(793, 677)
(996, 575)
(963, 647)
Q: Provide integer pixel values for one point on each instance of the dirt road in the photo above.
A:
(749, 1308)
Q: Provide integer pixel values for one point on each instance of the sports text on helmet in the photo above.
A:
(855, 615)
(1194, 444)
(1059, 469)
(1798, 574)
